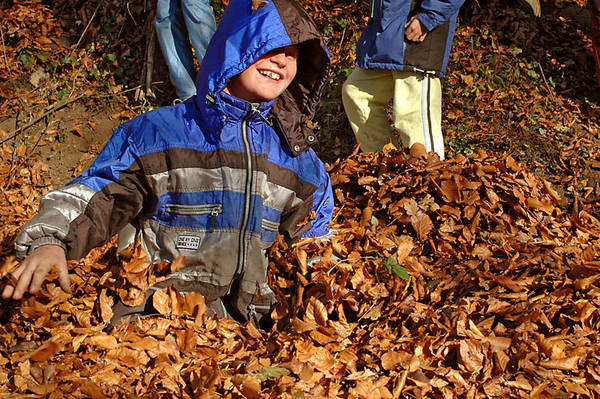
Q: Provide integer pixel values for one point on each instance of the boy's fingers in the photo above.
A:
(24, 280)
(13, 278)
(8, 291)
(63, 278)
(38, 276)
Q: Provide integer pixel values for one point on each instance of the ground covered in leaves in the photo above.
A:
(474, 277)
(445, 279)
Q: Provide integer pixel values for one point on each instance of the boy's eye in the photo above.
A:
(289, 51)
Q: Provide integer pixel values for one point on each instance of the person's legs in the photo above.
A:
(594, 7)
(366, 95)
(214, 303)
(200, 21)
(417, 110)
(175, 44)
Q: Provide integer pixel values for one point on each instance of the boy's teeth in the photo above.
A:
(270, 74)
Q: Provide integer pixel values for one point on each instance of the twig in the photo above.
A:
(146, 78)
(150, 64)
(57, 106)
(4, 50)
(375, 303)
(544, 77)
(85, 30)
(131, 15)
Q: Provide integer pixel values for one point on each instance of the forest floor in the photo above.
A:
(493, 253)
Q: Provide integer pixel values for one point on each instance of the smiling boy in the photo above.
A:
(215, 178)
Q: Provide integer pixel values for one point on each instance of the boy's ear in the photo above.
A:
(256, 4)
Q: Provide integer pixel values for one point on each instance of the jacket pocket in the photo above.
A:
(269, 231)
(214, 210)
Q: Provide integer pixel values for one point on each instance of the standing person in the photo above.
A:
(401, 56)
(214, 179)
(594, 7)
(179, 22)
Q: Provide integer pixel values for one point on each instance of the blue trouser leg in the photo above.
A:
(175, 45)
(200, 22)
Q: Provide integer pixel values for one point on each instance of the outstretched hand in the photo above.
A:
(32, 271)
(414, 30)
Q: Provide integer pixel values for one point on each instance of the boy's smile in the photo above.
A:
(267, 77)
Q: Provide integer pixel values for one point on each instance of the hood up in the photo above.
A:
(243, 36)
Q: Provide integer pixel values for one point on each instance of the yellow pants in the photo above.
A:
(416, 109)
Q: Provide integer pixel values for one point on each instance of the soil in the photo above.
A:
(70, 141)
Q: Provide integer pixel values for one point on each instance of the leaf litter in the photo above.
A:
(501, 296)
(501, 299)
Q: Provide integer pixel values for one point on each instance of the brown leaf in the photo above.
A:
(178, 263)
(316, 312)
(471, 355)
(102, 341)
(405, 246)
(105, 304)
(302, 259)
(90, 389)
(422, 225)
(391, 359)
(247, 385)
(162, 302)
(537, 204)
(567, 363)
(194, 304)
(46, 351)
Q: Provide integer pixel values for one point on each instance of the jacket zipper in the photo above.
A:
(247, 196)
(205, 209)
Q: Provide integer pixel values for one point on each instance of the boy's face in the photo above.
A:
(267, 77)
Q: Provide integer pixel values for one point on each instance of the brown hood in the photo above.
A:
(297, 105)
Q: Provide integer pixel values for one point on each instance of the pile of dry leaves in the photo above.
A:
(445, 279)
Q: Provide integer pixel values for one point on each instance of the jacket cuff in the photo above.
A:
(428, 21)
(40, 242)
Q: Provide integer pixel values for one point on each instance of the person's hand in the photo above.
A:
(30, 274)
(414, 30)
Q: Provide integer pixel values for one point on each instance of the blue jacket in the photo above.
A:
(215, 178)
(382, 44)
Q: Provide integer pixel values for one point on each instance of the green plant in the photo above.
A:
(461, 146)
(393, 267)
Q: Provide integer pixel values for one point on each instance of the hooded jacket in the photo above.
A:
(382, 44)
(214, 178)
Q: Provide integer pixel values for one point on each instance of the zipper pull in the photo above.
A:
(213, 219)
(251, 311)
(209, 98)
(254, 110)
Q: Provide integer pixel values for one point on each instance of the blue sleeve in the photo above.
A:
(434, 13)
(322, 207)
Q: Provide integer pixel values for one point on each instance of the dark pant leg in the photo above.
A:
(121, 311)
(211, 294)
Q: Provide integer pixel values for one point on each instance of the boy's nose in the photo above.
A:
(279, 59)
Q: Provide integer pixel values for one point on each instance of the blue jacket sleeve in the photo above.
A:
(310, 218)
(323, 208)
(434, 13)
(88, 211)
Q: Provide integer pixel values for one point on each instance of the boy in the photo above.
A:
(214, 178)
(401, 55)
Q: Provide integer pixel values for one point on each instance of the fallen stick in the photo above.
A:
(55, 107)
(4, 50)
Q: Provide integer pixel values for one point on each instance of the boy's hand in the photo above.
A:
(414, 30)
(30, 274)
